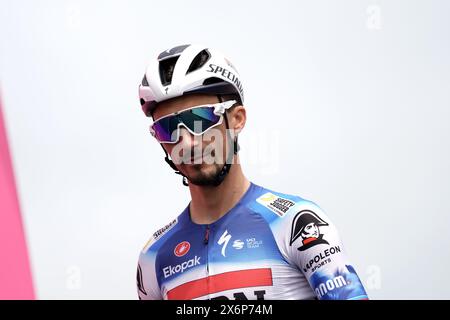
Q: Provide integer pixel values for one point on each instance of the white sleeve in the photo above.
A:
(314, 246)
(147, 282)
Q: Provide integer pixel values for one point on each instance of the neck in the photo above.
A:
(210, 203)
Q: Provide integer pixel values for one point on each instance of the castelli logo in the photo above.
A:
(182, 248)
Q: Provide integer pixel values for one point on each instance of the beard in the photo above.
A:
(203, 174)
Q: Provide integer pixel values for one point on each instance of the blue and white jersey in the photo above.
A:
(268, 246)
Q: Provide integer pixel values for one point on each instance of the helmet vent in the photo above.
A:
(144, 81)
(212, 80)
(199, 61)
(166, 68)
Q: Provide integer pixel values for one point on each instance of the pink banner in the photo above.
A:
(15, 274)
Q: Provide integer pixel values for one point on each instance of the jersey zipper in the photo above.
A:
(206, 238)
(206, 242)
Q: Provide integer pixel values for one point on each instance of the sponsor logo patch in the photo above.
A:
(182, 249)
(275, 203)
(158, 234)
(223, 241)
(238, 244)
(306, 225)
(180, 268)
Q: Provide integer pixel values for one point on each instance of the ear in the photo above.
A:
(238, 117)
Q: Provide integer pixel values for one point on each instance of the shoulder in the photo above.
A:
(291, 217)
(158, 237)
(277, 206)
(147, 280)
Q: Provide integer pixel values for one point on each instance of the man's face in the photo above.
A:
(311, 231)
(190, 150)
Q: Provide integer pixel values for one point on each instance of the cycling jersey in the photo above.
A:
(268, 246)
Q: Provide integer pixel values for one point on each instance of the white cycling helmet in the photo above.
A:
(188, 69)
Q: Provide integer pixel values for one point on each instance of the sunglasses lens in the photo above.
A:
(164, 128)
(198, 120)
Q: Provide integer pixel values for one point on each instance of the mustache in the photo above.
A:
(195, 156)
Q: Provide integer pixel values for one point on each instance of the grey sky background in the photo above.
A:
(348, 105)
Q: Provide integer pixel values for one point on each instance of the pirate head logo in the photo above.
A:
(306, 225)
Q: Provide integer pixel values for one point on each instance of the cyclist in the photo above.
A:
(235, 239)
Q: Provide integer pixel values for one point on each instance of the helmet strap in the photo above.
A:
(174, 167)
(231, 151)
(229, 161)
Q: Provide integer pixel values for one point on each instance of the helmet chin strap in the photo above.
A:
(174, 167)
(227, 166)
(229, 161)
